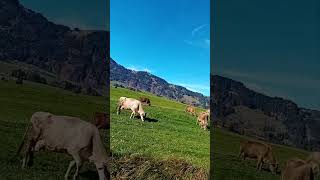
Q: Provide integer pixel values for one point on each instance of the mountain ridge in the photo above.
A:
(73, 55)
(278, 120)
(148, 82)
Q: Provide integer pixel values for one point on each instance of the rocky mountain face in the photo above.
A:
(239, 109)
(147, 82)
(72, 54)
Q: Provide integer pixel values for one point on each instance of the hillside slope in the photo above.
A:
(227, 166)
(150, 83)
(17, 104)
(167, 133)
(75, 55)
(273, 119)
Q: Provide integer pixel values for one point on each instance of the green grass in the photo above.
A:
(228, 167)
(173, 135)
(17, 104)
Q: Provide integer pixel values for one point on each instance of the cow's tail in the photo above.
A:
(23, 139)
(119, 107)
(241, 149)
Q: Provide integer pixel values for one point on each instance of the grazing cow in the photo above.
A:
(101, 120)
(297, 169)
(191, 110)
(203, 120)
(145, 100)
(260, 151)
(133, 104)
(71, 135)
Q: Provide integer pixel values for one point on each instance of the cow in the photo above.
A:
(297, 169)
(260, 151)
(191, 110)
(145, 100)
(203, 120)
(314, 158)
(101, 120)
(64, 134)
(134, 105)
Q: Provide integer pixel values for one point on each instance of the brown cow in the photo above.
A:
(71, 135)
(145, 100)
(297, 169)
(203, 120)
(133, 104)
(191, 110)
(101, 120)
(314, 158)
(260, 151)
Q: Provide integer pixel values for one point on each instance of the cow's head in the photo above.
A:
(273, 165)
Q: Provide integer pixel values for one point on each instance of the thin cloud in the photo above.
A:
(197, 38)
(197, 29)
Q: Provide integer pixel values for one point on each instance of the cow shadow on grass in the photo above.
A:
(150, 119)
(252, 164)
(91, 175)
(147, 119)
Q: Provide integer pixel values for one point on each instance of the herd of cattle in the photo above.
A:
(136, 109)
(82, 141)
(295, 169)
(78, 138)
(202, 118)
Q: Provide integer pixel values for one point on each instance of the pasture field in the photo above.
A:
(17, 104)
(168, 133)
(228, 167)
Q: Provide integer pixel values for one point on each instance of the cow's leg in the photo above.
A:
(71, 164)
(240, 154)
(78, 161)
(131, 115)
(141, 118)
(259, 162)
(118, 109)
(28, 155)
(100, 168)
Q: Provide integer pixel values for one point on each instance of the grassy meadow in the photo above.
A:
(169, 133)
(228, 167)
(17, 104)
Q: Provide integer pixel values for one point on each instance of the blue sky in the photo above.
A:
(74, 13)
(170, 39)
(272, 46)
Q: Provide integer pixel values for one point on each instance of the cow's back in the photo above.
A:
(314, 156)
(131, 103)
(253, 149)
(297, 169)
(63, 132)
(203, 116)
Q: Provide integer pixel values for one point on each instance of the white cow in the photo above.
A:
(133, 104)
(71, 135)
